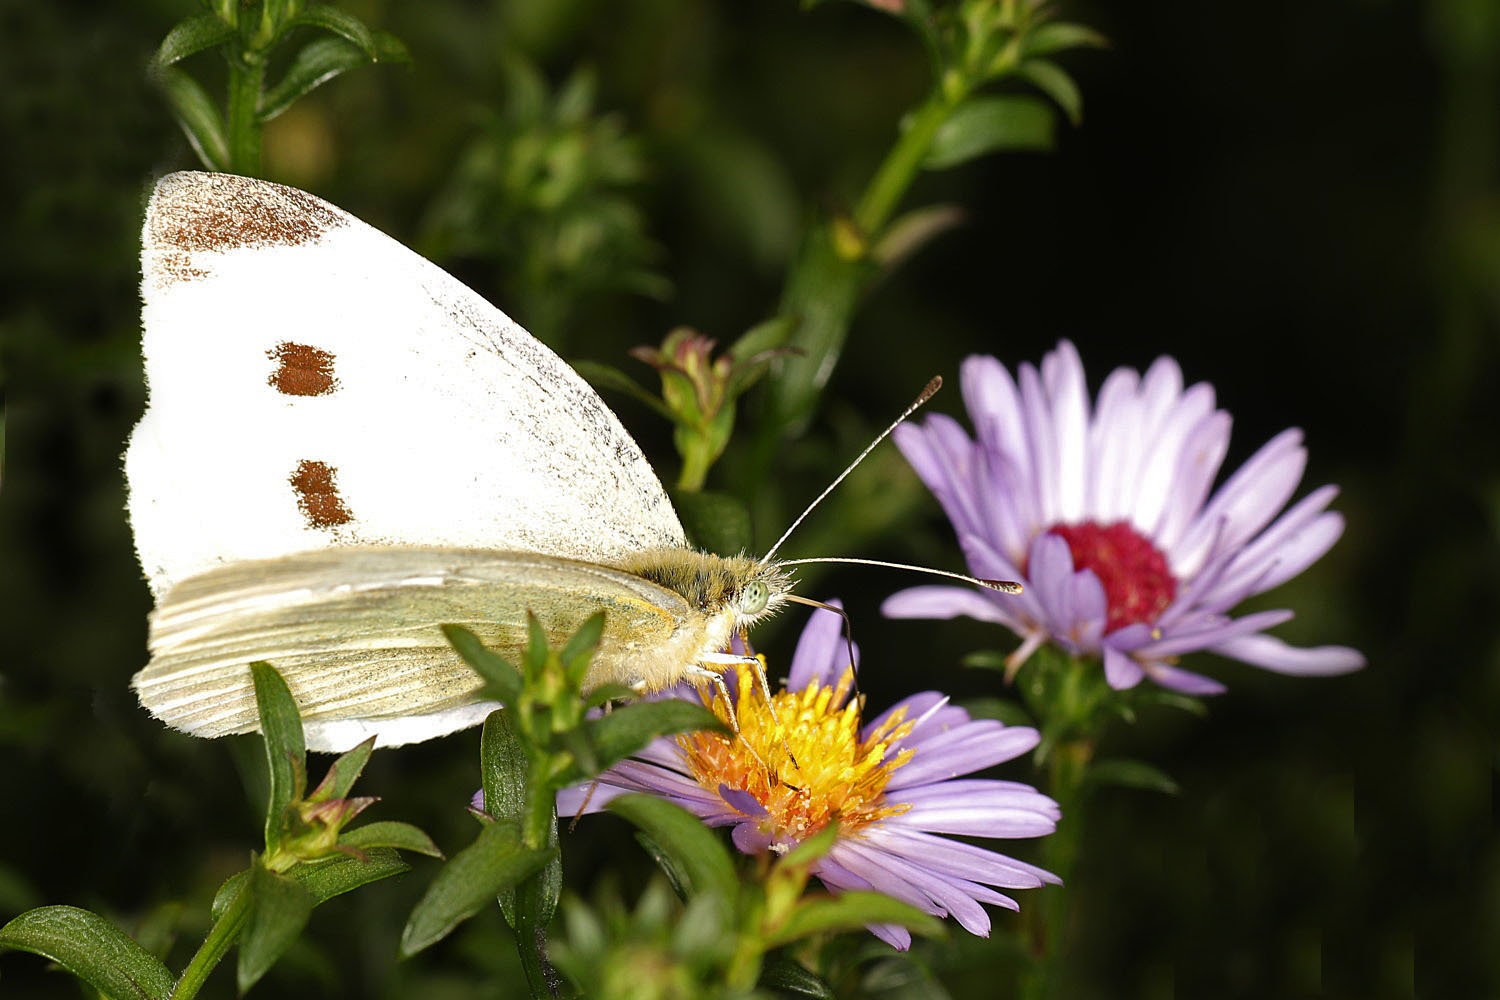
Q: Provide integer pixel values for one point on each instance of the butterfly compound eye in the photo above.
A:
(754, 597)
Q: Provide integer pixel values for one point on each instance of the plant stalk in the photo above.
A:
(223, 934)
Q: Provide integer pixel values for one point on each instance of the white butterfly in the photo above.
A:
(346, 447)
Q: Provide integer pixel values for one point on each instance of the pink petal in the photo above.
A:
(1271, 653)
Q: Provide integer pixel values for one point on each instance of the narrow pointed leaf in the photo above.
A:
(319, 61)
(783, 975)
(584, 641)
(286, 753)
(279, 910)
(851, 911)
(340, 22)
(471, 881)
(325, 879)
(1132, 774)
(390, 833)
(340, 874)
(91, 948)
(226, 893)
(625, 730)
(197, 115)
(1060, 35)
(813, 847)
(390, 49)
(702, 862)
(912, 231)
(194, 34)
(1054, 81)
(988, 125)
(602, 376)
(345, 771)
(764, 336)
(503, 679)
(503, 768)
(610, 692)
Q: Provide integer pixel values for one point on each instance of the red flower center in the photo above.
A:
(1137, 581)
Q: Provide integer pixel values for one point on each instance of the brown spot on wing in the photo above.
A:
(301, 370)
(194, 212)
(318, 494)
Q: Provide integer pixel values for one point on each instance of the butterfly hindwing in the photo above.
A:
(354, 631)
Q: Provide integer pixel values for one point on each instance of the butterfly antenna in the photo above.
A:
(1003, 586)
(927, 393)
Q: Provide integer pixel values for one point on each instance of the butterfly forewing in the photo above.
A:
(314, 383)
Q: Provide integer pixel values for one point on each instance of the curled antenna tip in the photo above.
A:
(1004, 586)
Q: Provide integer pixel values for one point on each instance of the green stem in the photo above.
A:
(904, 161)
(531, 935)
(1074, 694)
(247, 74)
(832, 269)
(223, 933)
(695, 466)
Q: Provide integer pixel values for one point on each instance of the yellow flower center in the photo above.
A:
(801, 757)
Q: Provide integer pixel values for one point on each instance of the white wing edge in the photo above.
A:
(337, 736)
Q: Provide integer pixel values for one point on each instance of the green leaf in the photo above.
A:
(610, 692)
(1152, 695)
(341, 873)
(503, 678)
(584, 641)
(279, 908)
(716, 522)
(196, 115)
(1054, 81)
(319, 61)
(390, 49)
(783, 975)
(1132, 774)
(983, 125)
(912, 231)
(1059, 35)
(326, 878)
(701, 860)
(193, 34)
(625, 730)
(91, 948)
(226, 893)
(503, 769)
(851, 911)
(813, 847)
(602, 376)
(766, 335)
(985, 659)
(286, 753)
(340, 22)
(472, 880)
(390, 833)
(344, 772)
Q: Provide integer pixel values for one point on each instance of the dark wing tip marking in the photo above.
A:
(301, 370)
(318, 494)
(193, 212)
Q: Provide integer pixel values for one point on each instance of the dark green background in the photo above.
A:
(1297, 201)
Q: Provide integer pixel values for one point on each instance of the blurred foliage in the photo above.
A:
(542, 193)
(1308, 224)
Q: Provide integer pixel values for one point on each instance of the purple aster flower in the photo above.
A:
(893, 786)
(1107, 517)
